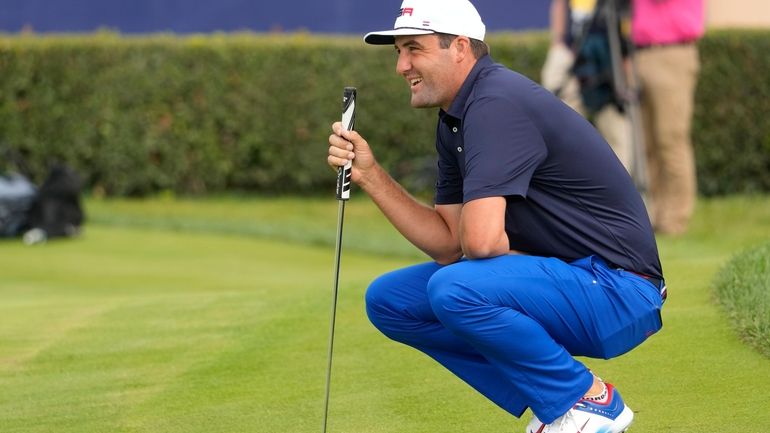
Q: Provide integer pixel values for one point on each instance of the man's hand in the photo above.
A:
(347, 146)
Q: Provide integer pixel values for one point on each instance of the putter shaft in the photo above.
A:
(337, 254)
(343, 194)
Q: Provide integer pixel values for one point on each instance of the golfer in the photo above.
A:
(542, 249)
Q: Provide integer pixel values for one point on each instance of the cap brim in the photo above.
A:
(388, 37)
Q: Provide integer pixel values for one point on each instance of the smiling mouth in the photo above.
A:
(415, 81)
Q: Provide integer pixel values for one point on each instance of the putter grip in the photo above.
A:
(348, 122)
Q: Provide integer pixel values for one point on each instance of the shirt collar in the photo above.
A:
(457, 107)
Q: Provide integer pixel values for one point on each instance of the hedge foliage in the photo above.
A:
(198, 114)
(731, 131)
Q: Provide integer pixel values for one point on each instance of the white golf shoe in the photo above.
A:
(610, 415)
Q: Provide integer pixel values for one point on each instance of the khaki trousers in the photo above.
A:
(614, 126)
(668, 76)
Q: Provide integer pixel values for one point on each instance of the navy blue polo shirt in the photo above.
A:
(567, 194)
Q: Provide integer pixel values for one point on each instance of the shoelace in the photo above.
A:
(562, 422)
(565, 419)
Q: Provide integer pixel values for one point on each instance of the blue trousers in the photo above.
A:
(509, 326)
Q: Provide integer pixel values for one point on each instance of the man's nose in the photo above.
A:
(403, 64)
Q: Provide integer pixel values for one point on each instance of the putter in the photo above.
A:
(343, 194)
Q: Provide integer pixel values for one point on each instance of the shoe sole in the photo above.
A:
(621, 423)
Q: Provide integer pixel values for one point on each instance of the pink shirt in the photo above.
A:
(666, 21)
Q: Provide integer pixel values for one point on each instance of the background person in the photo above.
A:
(569, 21)
(542, 249)
(666, 56)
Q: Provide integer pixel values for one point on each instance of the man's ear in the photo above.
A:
(462, 47)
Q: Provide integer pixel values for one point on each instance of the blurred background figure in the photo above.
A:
(666, 57)
(578, 69)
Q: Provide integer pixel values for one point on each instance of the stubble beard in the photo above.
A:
(426, 98)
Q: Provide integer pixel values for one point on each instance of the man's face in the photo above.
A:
(429, 70)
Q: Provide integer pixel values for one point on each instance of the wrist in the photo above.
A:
(371, 177)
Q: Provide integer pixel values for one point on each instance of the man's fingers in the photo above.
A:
(341, 132)
(340, 150)
(340, 143)
(335, 161)
(339, 157)
(345, 153)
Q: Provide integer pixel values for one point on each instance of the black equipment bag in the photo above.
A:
(57, 209)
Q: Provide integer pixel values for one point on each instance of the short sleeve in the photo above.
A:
(503, 148)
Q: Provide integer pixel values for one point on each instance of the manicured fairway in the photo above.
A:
(212, 316)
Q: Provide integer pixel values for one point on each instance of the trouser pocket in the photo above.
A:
(631, 333)
(630, 309)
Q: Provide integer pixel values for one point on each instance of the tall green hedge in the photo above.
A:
(197, 114)
(731, 131)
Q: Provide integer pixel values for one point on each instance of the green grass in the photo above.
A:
(742, 288)
(212, 316)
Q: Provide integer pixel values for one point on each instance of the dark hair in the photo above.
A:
(478, 48)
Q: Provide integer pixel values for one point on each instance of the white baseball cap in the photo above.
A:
(422, 17)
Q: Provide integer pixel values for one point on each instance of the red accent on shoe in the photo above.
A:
(580, 430)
